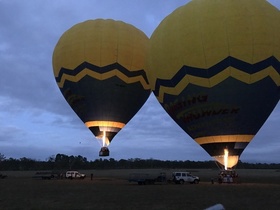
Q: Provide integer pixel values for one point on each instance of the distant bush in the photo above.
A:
(64, 162)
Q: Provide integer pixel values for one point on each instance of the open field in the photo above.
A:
(109, 189)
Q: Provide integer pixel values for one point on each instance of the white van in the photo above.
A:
(74, 175)
(182, 177)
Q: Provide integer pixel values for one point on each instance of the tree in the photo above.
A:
(51, 159)
(2, 157)
(61, 161)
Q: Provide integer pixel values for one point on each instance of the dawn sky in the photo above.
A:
(35, 120)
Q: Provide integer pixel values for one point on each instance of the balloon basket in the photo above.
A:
(104, 151)
(228, 176)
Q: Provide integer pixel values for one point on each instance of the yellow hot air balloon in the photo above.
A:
(214, 67)
(99, 68)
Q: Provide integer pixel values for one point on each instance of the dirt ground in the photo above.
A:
(110, 189)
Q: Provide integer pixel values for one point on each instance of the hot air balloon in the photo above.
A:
(214, 67)
(99, 68)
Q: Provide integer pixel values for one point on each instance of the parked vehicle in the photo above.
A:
(45, 175)
(74, 175)
(144, 178)
(182, 177)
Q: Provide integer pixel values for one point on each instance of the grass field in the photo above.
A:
(109, 189)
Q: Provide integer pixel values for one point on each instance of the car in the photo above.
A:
(182, 177)
(74, 175)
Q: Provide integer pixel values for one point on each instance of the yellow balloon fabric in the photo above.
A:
(203, 32)
(99, 68)
(214, 67)
(101, 42)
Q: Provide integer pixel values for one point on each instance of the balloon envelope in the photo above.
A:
(99, 68)
(214, 67)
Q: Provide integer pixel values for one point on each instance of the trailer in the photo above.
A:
(45, 175)
(144, 178)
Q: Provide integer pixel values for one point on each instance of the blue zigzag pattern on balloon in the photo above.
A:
(100, 70)
(217, 68)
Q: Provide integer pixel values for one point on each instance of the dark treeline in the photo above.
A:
(64, 162)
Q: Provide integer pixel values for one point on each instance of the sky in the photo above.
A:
(35, 120)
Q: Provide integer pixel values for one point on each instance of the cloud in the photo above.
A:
(37, 122)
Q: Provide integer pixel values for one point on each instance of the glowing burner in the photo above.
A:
(226, 158)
